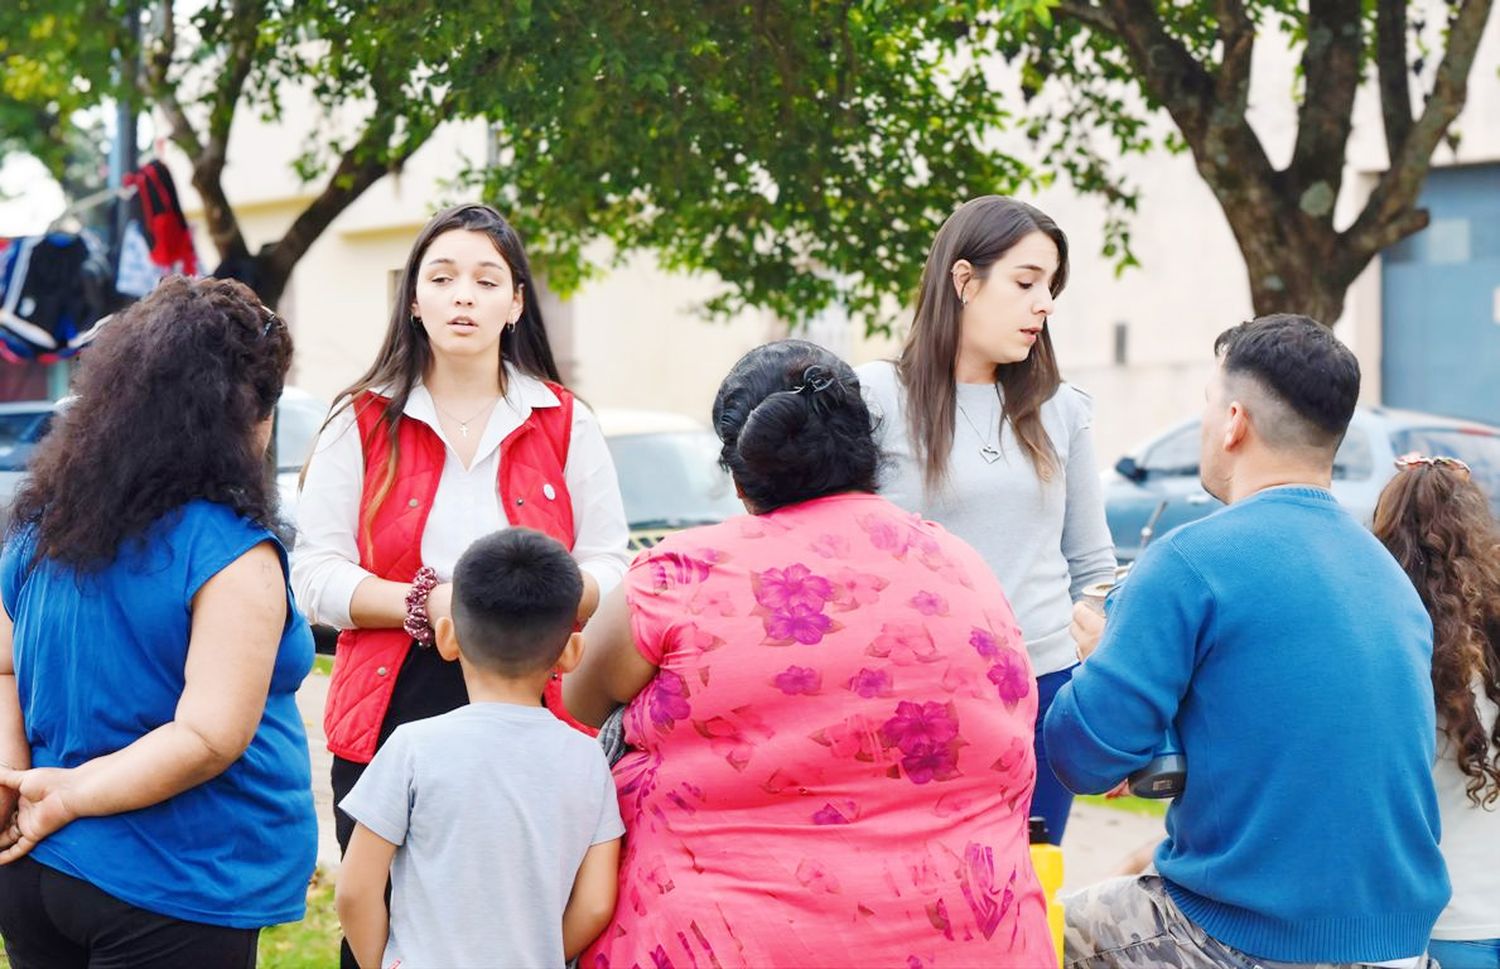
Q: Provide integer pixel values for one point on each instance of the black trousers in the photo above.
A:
(426, 686)
(55, 921)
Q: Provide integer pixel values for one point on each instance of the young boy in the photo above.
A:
(496, 824)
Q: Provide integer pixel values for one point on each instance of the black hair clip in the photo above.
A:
(815, 379)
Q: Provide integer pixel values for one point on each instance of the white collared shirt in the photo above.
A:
(325, 561)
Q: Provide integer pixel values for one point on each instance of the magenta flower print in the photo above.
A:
(798, 624)
(931, 764)
(828, 814)
(794, 587)
(918, 727)
(853, 737)
(904, 643)
(857, 589)
(1011, 676)
(887, 534)
(929, 604)
(832, 546)
(870, 683)
(668, 699)
(816, 877)
(984, 643)
(798, 680)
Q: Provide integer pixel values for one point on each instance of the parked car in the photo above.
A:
(24, 423)
(669, 473)
(1155, 488)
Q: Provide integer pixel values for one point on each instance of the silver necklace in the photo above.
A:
(990, 452)
(463, 425)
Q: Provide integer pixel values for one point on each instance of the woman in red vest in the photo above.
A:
(459, 428)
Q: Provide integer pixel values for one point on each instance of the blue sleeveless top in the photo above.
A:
(99, 663)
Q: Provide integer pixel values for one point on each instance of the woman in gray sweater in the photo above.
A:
(982, 435)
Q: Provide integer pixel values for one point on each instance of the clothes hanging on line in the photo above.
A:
(160, 217)
(54, 289)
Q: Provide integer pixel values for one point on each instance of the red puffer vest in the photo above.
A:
(533, 493)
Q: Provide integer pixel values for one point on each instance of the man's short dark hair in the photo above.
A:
(515, 599)
(1304, 366)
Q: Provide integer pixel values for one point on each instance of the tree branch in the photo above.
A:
(1168, 72)
(1386, 217)
(208, 164)
(1390, 62)
(1331, 69)
(1087, 13)
(1237, 36)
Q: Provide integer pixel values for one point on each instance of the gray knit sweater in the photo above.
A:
(1044, 541)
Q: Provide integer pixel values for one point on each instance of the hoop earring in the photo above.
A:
(509, 326)
(416, 321)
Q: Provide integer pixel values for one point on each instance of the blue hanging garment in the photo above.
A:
(53, 289)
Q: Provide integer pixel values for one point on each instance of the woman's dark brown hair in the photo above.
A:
(1437, 524)
(981, 231)
(167, 402)
(406, 353)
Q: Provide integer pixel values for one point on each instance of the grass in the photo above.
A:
(312, 943)
(323, 664)
(1133, 805)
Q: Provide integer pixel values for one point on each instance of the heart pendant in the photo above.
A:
(989, 453)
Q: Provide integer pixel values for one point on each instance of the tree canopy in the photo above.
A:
(806, 151)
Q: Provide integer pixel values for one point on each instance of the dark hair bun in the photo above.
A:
(794, 426)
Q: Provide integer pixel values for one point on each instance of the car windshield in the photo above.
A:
(19, 434)
(672, 479)
(1479, 449)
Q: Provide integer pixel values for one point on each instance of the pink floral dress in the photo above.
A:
(834, 764)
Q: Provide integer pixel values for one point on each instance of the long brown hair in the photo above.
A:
(1437, 524)
(981, 231)
(167, 402)
(406, 353)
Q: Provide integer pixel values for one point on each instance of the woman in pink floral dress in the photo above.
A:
(830, 710)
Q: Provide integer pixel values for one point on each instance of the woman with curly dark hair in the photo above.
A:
(1437, 523)
(155, 780)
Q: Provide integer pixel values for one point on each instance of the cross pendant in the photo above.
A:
(463, 429)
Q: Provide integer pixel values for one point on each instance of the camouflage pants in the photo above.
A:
(1132, 923)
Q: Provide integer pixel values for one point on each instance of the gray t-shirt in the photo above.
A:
(1045, 541)
(493, 806)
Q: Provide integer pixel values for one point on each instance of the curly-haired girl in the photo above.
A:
(1438, 525)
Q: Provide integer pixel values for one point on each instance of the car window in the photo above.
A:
(1174, 456)
(669, 479)
(1354, 462)
(297, 423)
(19, 434)
(1478, 449)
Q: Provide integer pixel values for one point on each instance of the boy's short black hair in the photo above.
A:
(1304, 366)
(515, 600)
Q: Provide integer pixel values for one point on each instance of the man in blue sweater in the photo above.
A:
(1293, 656)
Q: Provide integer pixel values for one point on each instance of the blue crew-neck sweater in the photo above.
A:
(1294, 657)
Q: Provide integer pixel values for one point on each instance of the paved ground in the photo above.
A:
(1098, 839)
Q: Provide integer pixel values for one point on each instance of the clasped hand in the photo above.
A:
(35, 804)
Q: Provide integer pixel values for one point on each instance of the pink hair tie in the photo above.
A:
(417, 624)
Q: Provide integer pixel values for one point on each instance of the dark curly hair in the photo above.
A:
(794, 426)
(1437, 523)
(167, 400)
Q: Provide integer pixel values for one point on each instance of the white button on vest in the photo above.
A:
(549, 491)
(381, 671)
(414, 503)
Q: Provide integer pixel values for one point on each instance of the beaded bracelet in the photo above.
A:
(417, 624)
